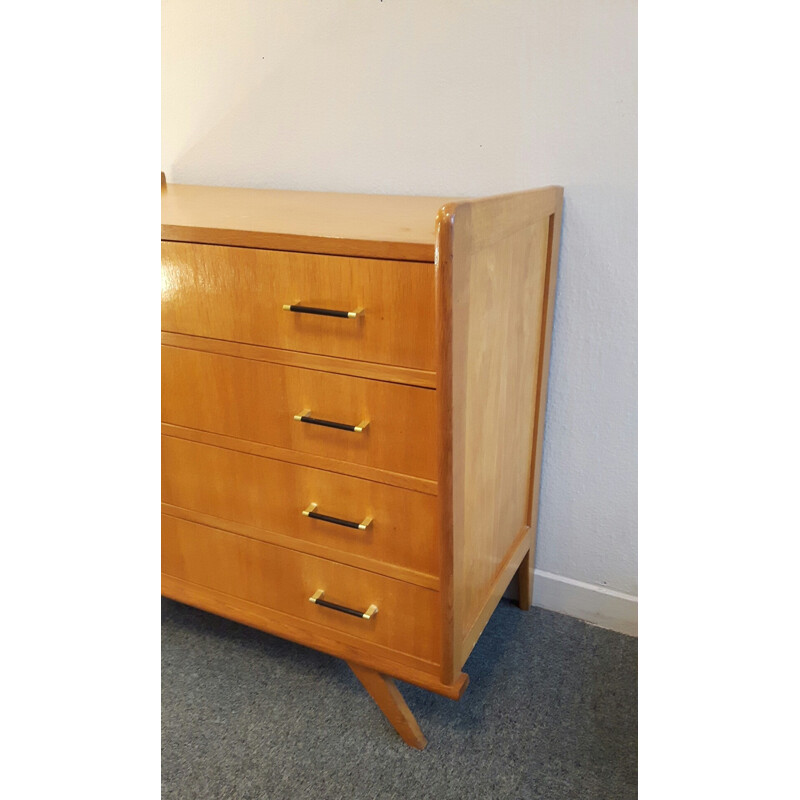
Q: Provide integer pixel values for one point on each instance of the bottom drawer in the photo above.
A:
(407, 619)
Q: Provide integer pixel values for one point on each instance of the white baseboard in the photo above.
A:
(596, 604)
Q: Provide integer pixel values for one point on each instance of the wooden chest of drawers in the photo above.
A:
(353, 398)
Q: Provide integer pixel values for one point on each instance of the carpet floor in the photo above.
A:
(550, 712)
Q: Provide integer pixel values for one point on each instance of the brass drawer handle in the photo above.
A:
(322, 312)
(303, 416)
(317, 598)
(313, 514)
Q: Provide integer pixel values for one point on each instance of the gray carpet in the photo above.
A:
(550, 712)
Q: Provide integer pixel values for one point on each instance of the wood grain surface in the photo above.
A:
(447, 360)
(257, 401)
(238, 294)
(269, 496)
(377, 226)
(283, 579)
(399, 665)
(293, 358)
(493, 262)
(383, 690)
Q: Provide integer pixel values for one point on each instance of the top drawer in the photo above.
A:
(237, 294)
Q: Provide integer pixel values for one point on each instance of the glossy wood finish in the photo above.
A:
(444, 414)
(375, 226)
(310, 634)
(313, 548)
(303, 459)
(291, 358)
(257, 401)
(449, 363)
(282, 579)
(494, 259)
(238, 294)
(384, 692)
(269, 496)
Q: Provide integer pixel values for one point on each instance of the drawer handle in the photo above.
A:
(303, 417)
(317, 598)
(323, 312)
(313, 514)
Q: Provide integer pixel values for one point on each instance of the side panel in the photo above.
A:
(502, 270)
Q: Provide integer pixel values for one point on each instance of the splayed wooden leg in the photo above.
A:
(385, 693)
(525, 582)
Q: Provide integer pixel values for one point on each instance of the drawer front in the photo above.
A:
(238, 294)
(407, 619)
(257, 401)
(271, 495)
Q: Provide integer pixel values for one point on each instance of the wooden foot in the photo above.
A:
(385, 693)
(525, 582)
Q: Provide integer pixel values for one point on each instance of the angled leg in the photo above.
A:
(385, 693)
(525, 582)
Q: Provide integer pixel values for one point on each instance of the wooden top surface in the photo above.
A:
(376, 226)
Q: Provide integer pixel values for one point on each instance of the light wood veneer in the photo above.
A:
(269, 496)
(237, 294)
(447, 360)
(373, 226)
(283, 579)
(258, 401)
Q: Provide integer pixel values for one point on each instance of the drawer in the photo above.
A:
(237, 294)
(283, 580)
(258, 400)
(271, 495)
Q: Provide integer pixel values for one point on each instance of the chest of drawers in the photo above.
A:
(353, 399)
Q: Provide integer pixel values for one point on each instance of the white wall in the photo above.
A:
(457, 98)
